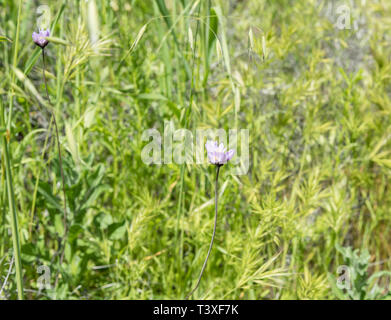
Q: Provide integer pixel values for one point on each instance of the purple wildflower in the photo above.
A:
(40, 38)
(218, 154)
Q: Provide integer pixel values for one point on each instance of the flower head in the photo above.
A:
(217, 154)
(40, 38)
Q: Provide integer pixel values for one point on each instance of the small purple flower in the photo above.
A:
(217, 154)
(40, 38)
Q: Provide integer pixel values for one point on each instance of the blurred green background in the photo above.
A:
(310, 80)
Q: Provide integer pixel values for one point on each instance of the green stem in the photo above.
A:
(12, 211)
(10, 187)
(213, 235)
(60, 162)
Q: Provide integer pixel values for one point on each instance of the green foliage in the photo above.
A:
(314, 98)
(358, 284)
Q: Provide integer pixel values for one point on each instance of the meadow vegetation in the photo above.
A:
(315, 99)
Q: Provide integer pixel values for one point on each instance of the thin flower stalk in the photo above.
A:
(218, 156)
(41, 41)
(58, 141)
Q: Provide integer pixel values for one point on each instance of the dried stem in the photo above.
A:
(6, 278)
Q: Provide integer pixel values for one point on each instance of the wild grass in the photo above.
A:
(316, 101)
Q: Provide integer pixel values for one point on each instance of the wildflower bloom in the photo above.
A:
(40, 38)
(218, 154)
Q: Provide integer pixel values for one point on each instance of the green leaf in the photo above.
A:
(151, 96)
(117, 230)
(32, 60)
(5, 38)
(45, 191)
(56, 40)
(59, 224)
(74, 231)
(213, 29)
(29, 252)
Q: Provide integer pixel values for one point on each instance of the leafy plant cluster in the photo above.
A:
(316, 102)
